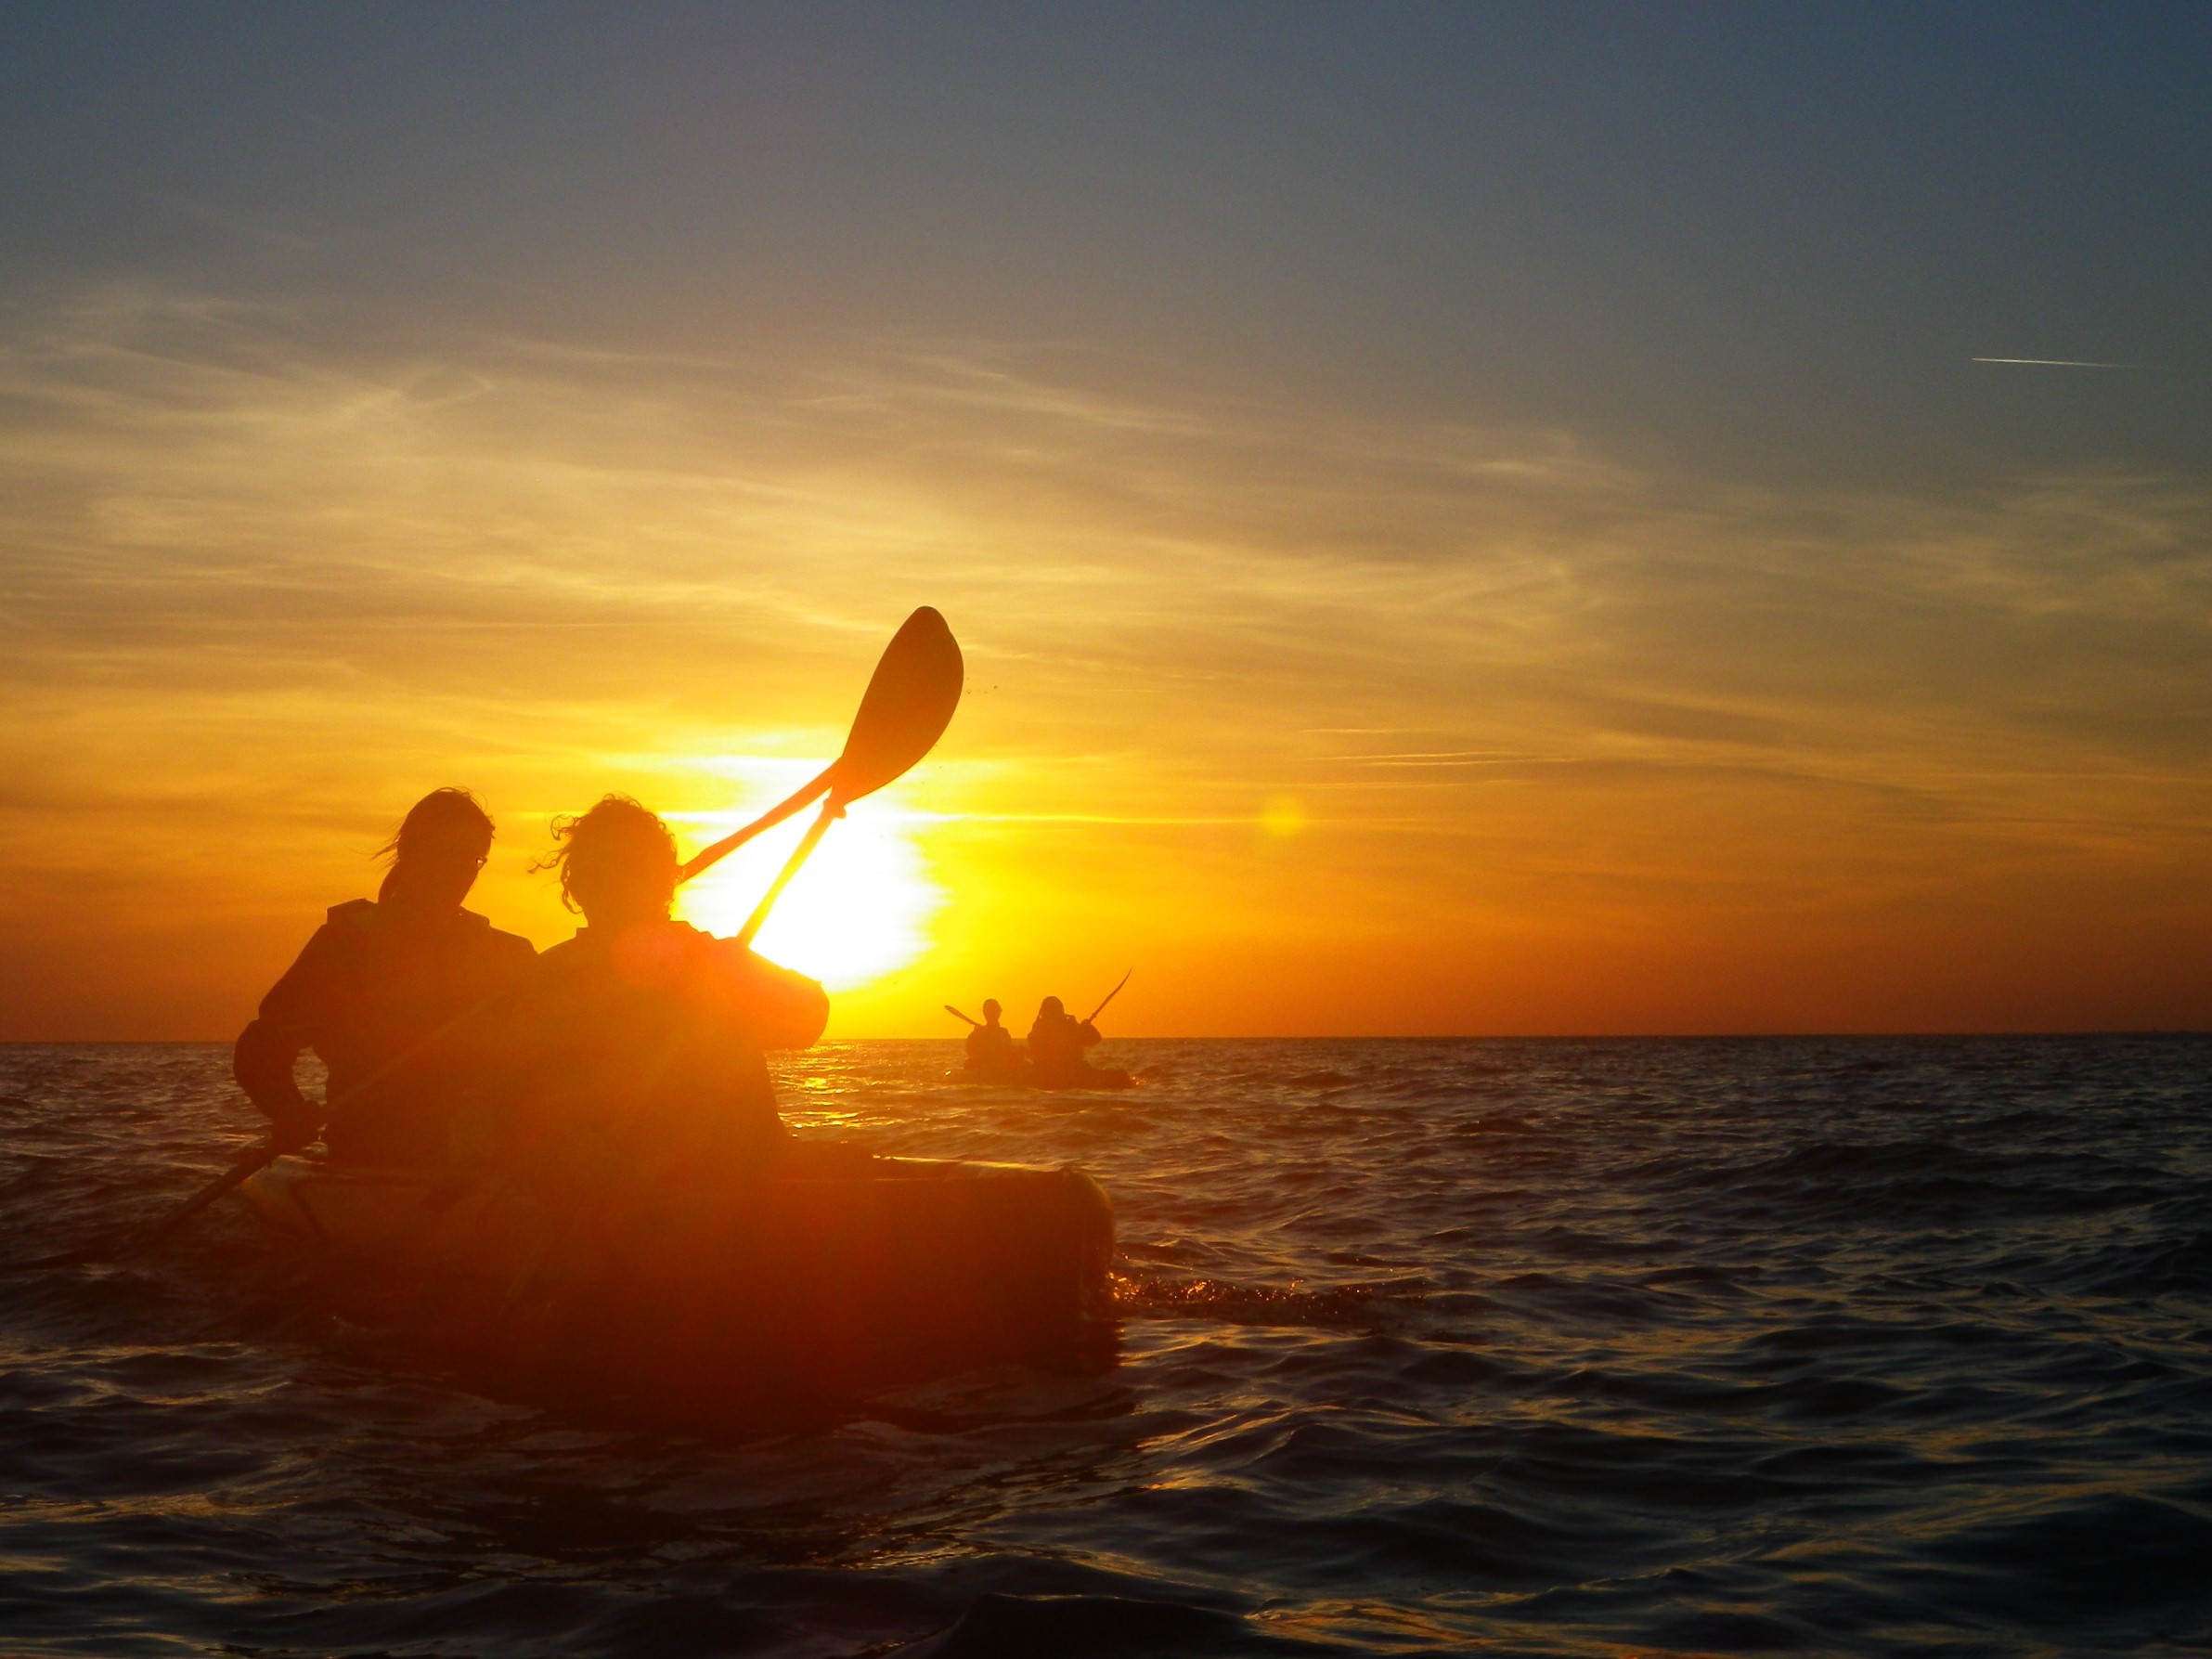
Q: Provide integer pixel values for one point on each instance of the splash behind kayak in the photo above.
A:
(851, 1274)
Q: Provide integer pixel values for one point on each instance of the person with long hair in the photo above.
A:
(1057, 1042)
(637, 1060)
(385, 992)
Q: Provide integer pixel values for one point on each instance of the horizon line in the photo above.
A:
(1348, 1037)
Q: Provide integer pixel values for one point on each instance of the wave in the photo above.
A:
(1540, 1347)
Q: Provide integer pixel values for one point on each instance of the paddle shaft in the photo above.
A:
(1109, 997)
(132, 1241)
(247, 1164)
(707, 857)
(958, 1014)
(832, 810)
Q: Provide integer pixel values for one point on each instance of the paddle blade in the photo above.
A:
(908, 704)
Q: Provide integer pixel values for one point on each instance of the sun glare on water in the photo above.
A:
(859, 909)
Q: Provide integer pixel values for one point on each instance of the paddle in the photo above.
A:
(132, 1241)
(909, 702)
(1109, 997)
(250, 1162)
(958, 1014)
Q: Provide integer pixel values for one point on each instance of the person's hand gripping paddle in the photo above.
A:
(908, 704)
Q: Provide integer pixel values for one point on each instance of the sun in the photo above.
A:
(860, 908)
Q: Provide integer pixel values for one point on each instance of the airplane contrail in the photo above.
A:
(2054, 362)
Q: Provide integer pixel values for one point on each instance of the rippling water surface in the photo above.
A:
(1839, 1346)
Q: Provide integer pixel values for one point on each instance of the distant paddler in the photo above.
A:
(992, 1055)
(382, 995)
(1056, 1043)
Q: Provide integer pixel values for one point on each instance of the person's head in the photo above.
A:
(617, 864)
(990, 1011)
(436, 851)
(1050, 1008)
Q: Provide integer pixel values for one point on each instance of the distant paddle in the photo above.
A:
(1109, 997)
(958, 1014)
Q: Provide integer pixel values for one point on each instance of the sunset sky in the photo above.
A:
(1463, 519)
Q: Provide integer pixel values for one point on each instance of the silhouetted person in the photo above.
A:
(377, 993)
(636, 1056)
(990, 1045)
(1056, 1044)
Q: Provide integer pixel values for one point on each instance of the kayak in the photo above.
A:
(845, 1274)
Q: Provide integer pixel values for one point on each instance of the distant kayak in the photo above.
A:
(850, 1273)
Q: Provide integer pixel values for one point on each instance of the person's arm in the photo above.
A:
(781, 1009)
(1089, 1033)
(271, 1044)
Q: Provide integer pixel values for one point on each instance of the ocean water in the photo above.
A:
(1832, 1346)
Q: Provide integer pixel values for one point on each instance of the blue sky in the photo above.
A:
(1757, 239)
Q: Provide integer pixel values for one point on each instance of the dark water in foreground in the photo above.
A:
(1839, 1346)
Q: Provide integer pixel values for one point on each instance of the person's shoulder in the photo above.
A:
(563, 969)
(513, 944)
(348, 927)
(732, 955)
(730, 951)
(570, 950)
